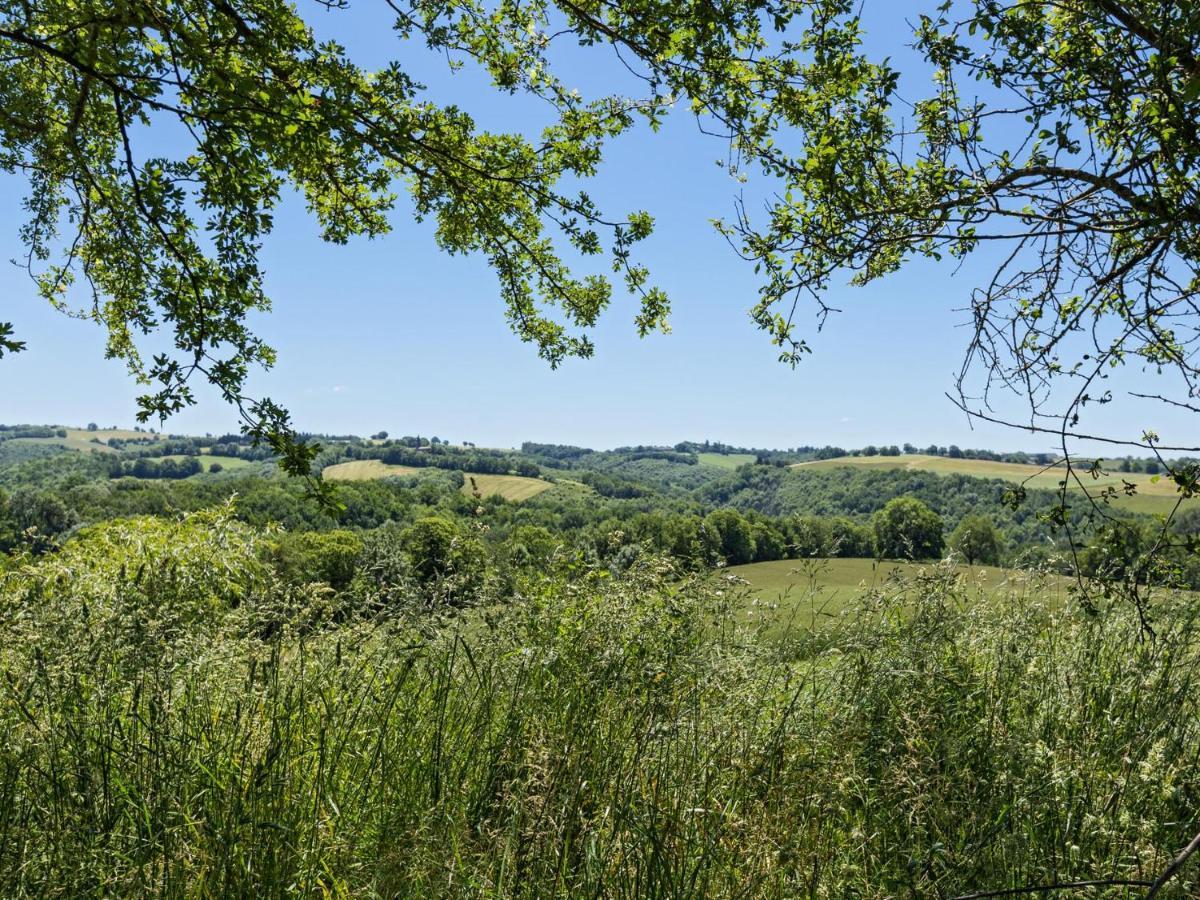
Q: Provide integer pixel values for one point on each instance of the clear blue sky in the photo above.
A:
(392, 335)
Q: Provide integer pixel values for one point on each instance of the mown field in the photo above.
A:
(1154, 496)
(510, 487)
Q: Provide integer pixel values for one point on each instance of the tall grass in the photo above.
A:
(174, 724)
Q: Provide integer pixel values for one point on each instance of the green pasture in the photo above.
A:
(729, 461)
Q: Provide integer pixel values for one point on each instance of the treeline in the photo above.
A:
(10, 432)
(234, 445)
(149, 467)
(438, 456)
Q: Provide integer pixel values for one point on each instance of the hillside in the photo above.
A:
(1153, 495)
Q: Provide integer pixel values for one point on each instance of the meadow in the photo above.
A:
(815, 593)
(178, 723)
(725, 460)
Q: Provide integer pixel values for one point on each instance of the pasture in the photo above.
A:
(728, 461)
(1153, 496)
(805, 591)
(510, 487)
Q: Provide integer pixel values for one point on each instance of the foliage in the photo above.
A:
(1049, 132)
(976, 540)
(728, 537)
(907, 529)
(443, 557)
(331, 557)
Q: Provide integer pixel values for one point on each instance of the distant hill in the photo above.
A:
(1154, 495)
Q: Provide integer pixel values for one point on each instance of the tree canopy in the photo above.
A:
(1056, 139)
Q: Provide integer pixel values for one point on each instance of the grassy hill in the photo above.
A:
(510, 487)
(725, 460)
(1156, 497)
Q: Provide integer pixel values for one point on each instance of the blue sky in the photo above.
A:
(393, 335)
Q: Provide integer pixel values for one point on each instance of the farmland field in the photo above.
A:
(510, 487)
(1155, 497)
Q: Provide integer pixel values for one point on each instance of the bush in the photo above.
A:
(444, 559)
(330, 557)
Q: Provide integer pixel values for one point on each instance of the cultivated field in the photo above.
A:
(510, 487)
(1153, 496)
(228, 463)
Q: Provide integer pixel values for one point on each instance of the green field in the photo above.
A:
(1153, 496)
(725, 460)
(510, 487)
(801, 592)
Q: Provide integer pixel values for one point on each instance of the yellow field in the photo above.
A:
(365, 470)
(1151, 497)
(228, 463)
(510, 487)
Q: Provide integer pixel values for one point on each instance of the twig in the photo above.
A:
(1174, 867)
(1060, 886)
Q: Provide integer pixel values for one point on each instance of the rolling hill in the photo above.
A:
(1153, 495)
